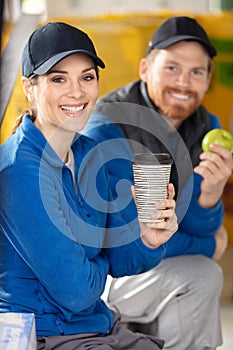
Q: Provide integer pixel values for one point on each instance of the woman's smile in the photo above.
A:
(73, 111)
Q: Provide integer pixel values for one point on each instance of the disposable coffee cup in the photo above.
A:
(151, 173)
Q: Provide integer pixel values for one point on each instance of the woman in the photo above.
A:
(59, 238)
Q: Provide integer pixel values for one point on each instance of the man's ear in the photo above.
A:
(27, 88)
(143, 68)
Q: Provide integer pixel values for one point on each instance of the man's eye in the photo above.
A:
(198, 72)
(171, 68)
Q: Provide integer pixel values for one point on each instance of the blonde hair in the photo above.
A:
(31, 110)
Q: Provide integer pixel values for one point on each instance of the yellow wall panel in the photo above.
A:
(16, 106)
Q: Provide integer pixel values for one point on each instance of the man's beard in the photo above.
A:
(177, 110)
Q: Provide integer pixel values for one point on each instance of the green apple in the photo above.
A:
(220, 137)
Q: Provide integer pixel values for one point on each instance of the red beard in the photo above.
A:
(177, 110)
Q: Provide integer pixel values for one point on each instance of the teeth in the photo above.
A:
(181, 97)
(72, 109)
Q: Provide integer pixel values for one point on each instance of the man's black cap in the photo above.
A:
(177, 29)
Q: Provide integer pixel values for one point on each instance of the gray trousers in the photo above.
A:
(120, 338)
(177, 301)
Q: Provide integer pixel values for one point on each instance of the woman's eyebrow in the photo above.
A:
(57, 71)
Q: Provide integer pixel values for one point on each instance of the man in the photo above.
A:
(162, 112)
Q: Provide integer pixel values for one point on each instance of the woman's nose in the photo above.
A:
(76, 89)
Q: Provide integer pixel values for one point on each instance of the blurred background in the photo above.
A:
(121, 30)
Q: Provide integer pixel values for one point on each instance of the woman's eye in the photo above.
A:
(57, 79)
(88, 77)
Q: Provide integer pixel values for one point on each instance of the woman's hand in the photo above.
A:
(156, 233)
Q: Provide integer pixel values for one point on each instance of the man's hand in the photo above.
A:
(215, 168)
(221, 243)
(157, 233)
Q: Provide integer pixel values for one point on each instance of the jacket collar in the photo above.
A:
(38, 142)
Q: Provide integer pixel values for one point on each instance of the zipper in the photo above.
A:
(58, 324)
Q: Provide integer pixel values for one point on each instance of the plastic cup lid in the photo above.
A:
(152, 158)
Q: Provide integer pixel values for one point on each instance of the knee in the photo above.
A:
(210, 274)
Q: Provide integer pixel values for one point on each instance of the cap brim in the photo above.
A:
(174, 40)
(47, 65)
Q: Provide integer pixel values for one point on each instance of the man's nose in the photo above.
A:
(183, 79)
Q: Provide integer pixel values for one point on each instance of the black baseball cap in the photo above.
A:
(177, 29)
(51, 43)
